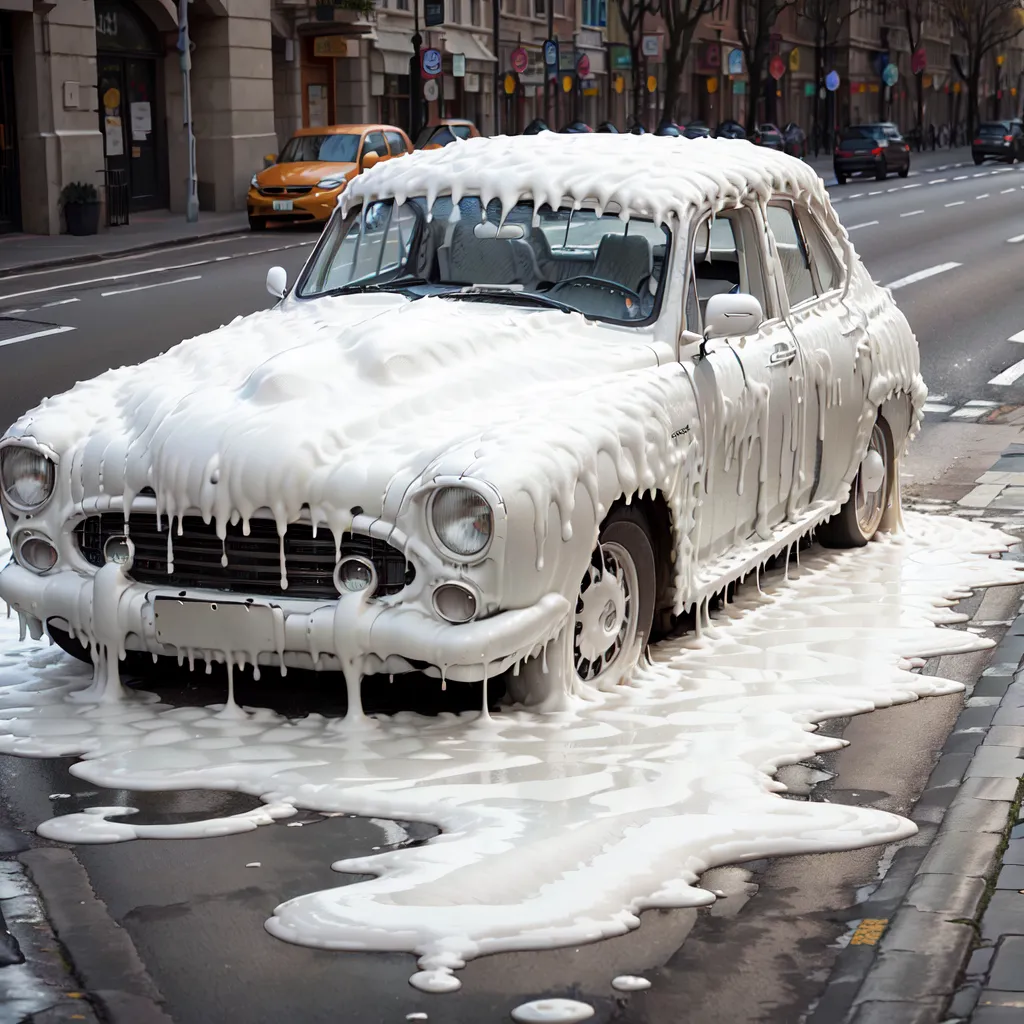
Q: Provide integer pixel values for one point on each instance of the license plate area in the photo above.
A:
(283, 205)
(231, 626)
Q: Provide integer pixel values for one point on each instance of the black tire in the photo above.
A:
(624, 535)
(841, 179)
(67, 643)
(978, 161)
(881, 173)
(257, 223)
(845, 530)
(905, 170)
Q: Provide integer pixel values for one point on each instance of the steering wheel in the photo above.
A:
(628, 296)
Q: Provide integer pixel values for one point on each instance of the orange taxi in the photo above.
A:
(445, 131)
(308, 175)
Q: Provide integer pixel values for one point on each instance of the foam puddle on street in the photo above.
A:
(557, 829)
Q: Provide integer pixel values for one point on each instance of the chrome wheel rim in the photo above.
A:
(871, 503)
(606, 609)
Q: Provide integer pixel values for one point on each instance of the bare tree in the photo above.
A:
(913, 14)
(681, 19)
(755, 20)
(827, 20)
(984, 26)
(632, 14)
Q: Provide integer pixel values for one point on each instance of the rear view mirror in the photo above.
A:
(732, 315)
(269, 159)
(277, 282)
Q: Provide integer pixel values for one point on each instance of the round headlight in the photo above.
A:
(254, 181)
(354, 575)
(26, 477)
(455, 603)
(330, 183)
(36, 553)
(462, 520)
(119, 549)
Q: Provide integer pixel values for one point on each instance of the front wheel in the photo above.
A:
(904, 171)
(257, 223)
(840, 178)
(978, 161)
(859, 519)
(881, 173)
(615, 604)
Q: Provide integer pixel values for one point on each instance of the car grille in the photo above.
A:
(287, 190)
(253, 562)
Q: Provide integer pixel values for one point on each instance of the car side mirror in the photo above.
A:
(269, 159)
(277, 282)
(369, 160)
(732, 315)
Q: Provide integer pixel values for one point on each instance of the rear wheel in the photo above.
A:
(881, 173)
(978, 161)
(615, 604)
(841, 179)
(904, 171)
(257, 223)
(859, 519)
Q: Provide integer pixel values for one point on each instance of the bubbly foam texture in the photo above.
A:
(557, 828)
(630, 983)
(552, 1011)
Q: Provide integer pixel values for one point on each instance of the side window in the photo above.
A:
(375, 144)
(796, 269)
(395, 143)
(460, 131)
(826, 265)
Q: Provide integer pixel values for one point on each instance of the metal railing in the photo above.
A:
(116, 183)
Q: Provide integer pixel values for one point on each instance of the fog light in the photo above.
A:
(119, 549)
(37, 554)
(355, 575)
(454, 602)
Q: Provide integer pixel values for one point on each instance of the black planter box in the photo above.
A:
(82, 218)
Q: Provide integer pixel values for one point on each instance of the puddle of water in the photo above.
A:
(558, 828)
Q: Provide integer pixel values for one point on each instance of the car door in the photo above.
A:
(746, 392)
(811, 276)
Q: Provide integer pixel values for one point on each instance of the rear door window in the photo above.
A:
(796, 267)
(395, 143)
(375, 144)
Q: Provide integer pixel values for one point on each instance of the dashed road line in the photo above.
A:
(913, 213)
(939, 181)
(1016, 241)
(922, 275)
(961, 177)
(983, 196)
(866, 224)
(1007, 191)
(145, 287)
(34, 335)
(959, 202)
(1019, 336)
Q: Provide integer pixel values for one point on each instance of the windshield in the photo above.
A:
(576, 260)
(334, 149)
(442, 135)
(995, 128)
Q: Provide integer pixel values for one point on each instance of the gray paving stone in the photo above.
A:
(1008, 967)
(1004, 915)
(992, 686)
(990, 789)
(961, 853)
(1007, 715)
(1006, 736)
(1014, 852)
(1011, 877)
(920, 931)
(951, 768)
(922, 1012)
(950, 895)
(996, 762)
(964, 1000)
(980, 962)
(974, 718)
(963, 742)
(967, 814)
(1017, 832)
(899, 975)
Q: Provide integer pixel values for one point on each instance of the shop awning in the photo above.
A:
(396, 49)
(458, 41)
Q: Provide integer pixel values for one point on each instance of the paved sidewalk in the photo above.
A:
(150, 230)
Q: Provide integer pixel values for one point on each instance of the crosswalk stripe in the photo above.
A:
(1010, 375)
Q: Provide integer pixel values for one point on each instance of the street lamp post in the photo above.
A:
(496, 29)
(415, 76)
(185, 46)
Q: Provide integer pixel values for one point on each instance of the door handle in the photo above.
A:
(783, 354)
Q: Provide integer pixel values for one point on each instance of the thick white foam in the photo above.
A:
(552, 1011)
(631, 982)
(557, 828)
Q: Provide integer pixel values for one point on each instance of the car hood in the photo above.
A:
(303, 174)
(336, 402)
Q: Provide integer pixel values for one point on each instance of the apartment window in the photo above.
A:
(456, 17)
(474, 12)
(539, 8)
(402, 5)
(595, 13)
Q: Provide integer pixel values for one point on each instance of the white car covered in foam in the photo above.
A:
(528, 399)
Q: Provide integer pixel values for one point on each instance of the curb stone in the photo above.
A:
(948, 895)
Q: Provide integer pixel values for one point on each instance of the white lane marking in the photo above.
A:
(142, 273)
(892, 190)
(59, 302)
(144, 287)
(1010, 374)
(866, 224)
(913, 213)
(878, 193)
(938, 181)
(1019, 336)
(937, 398)
(1007, 191)
(962, 177)
(959, 202)
(982, 174)
(938, 407)
(918, 185)
(34, 334)
(984, 195)
(922, 275)
(856, 195)
(1016, 241)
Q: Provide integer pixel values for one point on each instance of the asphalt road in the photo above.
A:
(195, 914)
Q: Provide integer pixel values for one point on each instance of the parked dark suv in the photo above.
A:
(999, 140)
(876, 149)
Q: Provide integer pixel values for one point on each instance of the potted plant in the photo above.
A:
(81, 203)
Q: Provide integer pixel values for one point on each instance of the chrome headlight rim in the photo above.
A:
(330, 184)
(463, 587)
(40, 452)
(438, 541)
(23, 537)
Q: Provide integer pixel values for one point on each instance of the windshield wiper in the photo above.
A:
(398, 284)
(511, 293)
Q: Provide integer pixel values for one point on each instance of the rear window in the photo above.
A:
(995, 128)
(862, 131)
(336, 149)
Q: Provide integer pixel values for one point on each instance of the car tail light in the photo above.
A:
(877, 151)
(1007, 138)
(977, 142)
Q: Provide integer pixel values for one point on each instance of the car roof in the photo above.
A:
(681, 175)
(348, 129)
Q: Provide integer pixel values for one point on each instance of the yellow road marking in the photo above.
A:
(869, 931)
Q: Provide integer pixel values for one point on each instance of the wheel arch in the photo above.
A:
(656, 511)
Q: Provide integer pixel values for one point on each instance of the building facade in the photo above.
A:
(92, 90)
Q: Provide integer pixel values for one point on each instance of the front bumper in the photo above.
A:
(377, 636)
(317, 205)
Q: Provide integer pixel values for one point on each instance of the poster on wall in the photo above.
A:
(317, 96)
(113, 137)
(142, 119)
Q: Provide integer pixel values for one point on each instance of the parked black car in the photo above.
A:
(999, 140)
(794, 139)
(667, 127)
(575, 128)
(696, 130)
(536, 126)
(730, 130)
(608, 127)
(769, 136)
(876, 149)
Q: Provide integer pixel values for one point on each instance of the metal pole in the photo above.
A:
(496, 28)
(184, 45)
(549, 82)
(416, 77)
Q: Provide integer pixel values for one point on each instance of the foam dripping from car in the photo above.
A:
(557, 827)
